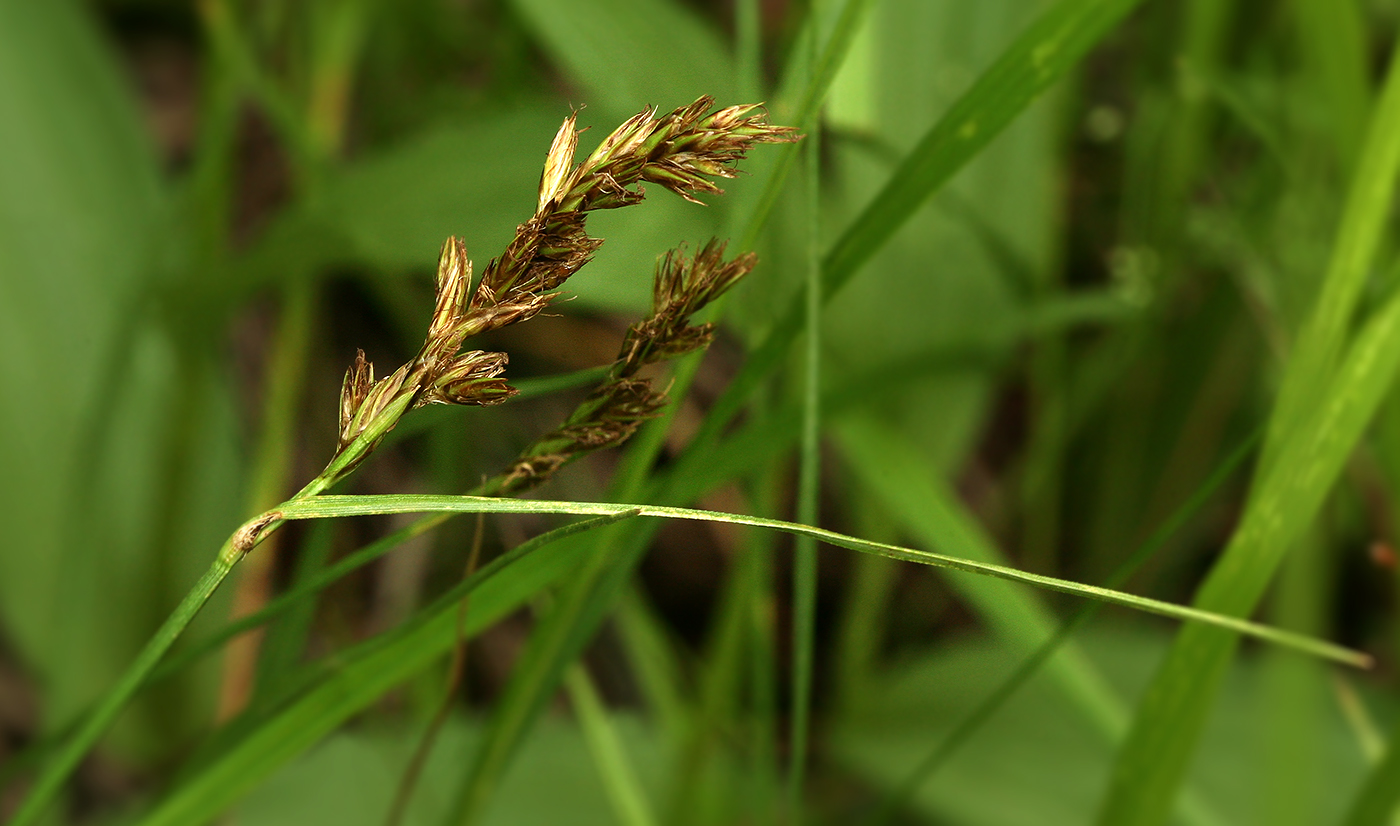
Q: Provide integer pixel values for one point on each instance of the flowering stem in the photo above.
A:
(237, 546)
(68, 757)
(681, 151)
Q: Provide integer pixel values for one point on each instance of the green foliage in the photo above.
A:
(1035, 274)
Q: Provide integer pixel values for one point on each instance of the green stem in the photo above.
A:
(233, 550)
(67, 759)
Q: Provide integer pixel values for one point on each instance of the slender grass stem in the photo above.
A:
(57, 770)
(373, 668)
(66, 759)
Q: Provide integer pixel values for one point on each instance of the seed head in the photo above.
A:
(682, 287)
(684, 151)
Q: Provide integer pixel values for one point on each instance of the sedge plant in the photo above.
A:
(683, 151)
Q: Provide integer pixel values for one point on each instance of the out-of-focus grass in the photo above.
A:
(1071, 254)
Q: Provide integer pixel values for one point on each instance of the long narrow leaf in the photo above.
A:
(1316, 424)
(366, 673)
(330, 506)
(1324, 337)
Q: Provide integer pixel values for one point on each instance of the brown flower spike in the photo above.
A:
(682, 151)
(623, 402)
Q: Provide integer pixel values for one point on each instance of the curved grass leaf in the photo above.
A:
(366, 672)
(331, 506)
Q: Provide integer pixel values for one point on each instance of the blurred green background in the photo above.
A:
(205, 208)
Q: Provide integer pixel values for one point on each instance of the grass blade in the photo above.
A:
(362, 675)
(1318, 419)
(1324, 337)
(356, 679)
